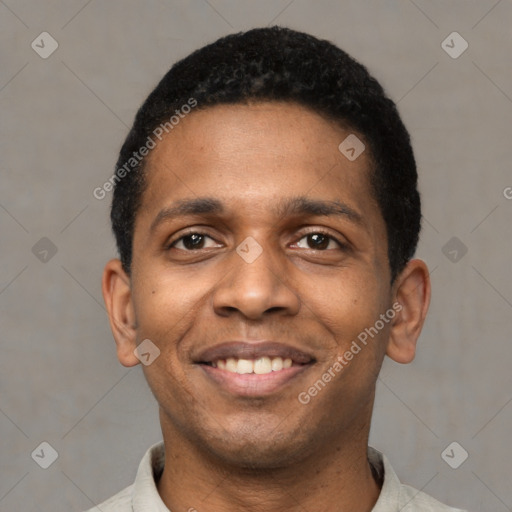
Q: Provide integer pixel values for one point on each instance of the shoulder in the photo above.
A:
(120, 502)
(143, 493)
(412, 500)
(398, 496)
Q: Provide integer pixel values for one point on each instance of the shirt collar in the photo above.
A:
(145, 493)
(390, 491)
(146, 497)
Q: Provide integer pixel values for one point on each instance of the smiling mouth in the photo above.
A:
(260, 366)
(253, 369)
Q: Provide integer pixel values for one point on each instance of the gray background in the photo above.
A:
(62, 122)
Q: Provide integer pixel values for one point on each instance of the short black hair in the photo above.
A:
(280, 64)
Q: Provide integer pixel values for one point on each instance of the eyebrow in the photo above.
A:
(286, 208)
(317, 207)
(198, 206)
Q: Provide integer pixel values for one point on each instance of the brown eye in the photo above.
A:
(192, 242)
(318, 241)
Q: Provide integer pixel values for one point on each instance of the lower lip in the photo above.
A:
(252, 384)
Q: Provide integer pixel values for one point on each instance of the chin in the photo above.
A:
(249, 456)
(253, 448)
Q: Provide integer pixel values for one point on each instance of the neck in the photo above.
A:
(336, 479)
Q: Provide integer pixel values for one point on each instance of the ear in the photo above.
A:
(118, 300)
(412, 296)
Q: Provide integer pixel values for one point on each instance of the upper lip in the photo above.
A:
(253, 350)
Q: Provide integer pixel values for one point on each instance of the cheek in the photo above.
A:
(166, 309)
(346, 305)
(169, 306)
(163, 301)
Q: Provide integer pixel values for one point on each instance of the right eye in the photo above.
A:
(192, 241)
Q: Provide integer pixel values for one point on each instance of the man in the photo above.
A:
(266, 214)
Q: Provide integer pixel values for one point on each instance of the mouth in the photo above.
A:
(253, 369)
(260, 366)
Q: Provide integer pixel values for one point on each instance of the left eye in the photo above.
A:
(319, 241)
(192, 241)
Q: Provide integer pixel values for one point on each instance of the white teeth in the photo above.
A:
(231, 364)
(260, 366)
(277, 364)
(244, 366)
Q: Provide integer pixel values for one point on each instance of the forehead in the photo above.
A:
(256, 153)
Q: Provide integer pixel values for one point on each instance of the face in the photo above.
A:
(259, 248)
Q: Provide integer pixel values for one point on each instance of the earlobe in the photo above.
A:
(118, 300)
(412, 296)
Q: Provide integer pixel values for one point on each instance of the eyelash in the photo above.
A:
(342, 245)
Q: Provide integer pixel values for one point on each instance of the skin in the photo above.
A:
(226, 451)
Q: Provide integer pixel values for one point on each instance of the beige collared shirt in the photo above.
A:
(142, 495)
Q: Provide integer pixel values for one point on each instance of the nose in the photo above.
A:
(255, 289)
